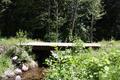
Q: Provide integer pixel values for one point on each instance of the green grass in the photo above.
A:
(13, 41)
(5, 63)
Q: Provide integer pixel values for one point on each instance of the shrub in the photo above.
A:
(102, 64)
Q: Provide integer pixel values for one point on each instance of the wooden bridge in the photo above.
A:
(43, 50)
(52, 45)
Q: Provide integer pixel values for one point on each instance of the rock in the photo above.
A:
(33, 64)
(18, 77)
(15, 58)
(9, 73)
(55, 55)
(2, 49)
(4, 78)
(0, 77)
(18, 71)
(24, 67)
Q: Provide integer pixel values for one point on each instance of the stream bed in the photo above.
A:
(37, 73)
(34, 74)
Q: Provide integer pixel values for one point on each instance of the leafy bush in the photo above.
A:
(102, 64)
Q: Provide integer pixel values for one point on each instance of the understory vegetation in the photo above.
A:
(86, 64)
(72, 64)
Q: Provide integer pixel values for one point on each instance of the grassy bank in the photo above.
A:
(9, 47)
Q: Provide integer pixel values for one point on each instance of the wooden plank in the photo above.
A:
(47, 44)
(54, 44)
(92, 45)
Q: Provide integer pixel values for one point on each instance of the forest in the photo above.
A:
(61, 20)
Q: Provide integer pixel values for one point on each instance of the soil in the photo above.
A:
(34, 74)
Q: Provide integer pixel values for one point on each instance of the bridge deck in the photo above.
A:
(54, 44)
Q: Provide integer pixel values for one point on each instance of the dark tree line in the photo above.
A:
(109, 26)
(60, 20)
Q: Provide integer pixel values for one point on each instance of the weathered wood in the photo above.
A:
(47, 44)
(93, 45)
(52, 45)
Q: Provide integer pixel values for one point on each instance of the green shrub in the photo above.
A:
(102, 64)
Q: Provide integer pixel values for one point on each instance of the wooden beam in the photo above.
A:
(54, 44)
(47, 44)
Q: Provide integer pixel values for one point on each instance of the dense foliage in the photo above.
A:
(108, 27)
(102, 64)
(50, 20)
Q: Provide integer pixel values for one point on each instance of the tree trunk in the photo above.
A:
(57, 25)
(49, 8)
(91, 29)
(74, 17)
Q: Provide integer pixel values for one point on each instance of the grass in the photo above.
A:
(13, 41)
(5, 62)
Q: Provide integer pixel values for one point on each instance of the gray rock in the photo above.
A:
(24, 67)
(18, 77)
(2, 49)
(4, 78)
(33, 64)
(14, 58)
(9, 73)
(0, 77)
(54, 54)
(18, 71)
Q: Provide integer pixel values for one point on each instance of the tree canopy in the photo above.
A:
(52, 20)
